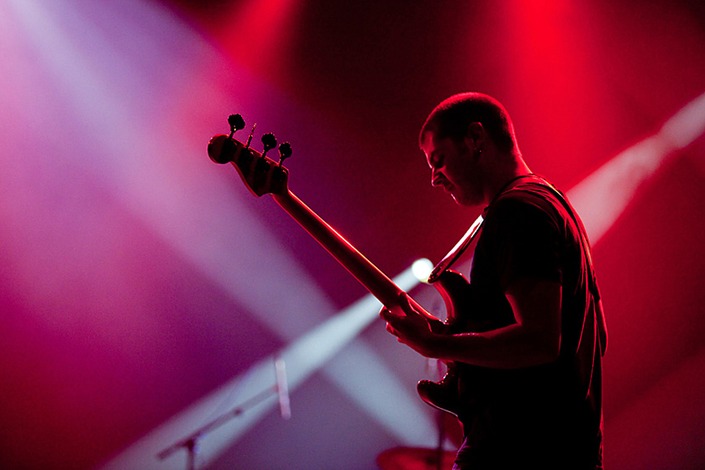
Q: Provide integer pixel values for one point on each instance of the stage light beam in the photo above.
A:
(604, 195)
(303, 357)
(174, 196)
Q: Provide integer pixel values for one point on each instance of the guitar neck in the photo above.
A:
(374, 280)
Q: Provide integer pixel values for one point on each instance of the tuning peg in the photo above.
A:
(236, 123)
(269, 142)
(284, 152)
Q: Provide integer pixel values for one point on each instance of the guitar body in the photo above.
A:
(457, 295)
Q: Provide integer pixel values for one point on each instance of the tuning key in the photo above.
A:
(269, 142)
(285, 152)
(236, 123)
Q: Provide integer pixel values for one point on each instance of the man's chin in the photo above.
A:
(458, 198)
(464, 201)
(461, 202)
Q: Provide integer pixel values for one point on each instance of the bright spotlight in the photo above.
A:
(422, 269)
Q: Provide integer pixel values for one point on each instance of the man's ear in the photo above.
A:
(475, 136)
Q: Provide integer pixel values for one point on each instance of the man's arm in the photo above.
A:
(534, 338)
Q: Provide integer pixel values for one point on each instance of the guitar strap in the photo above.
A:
(581, 230)
(474, 229)
(469, 236)
(457, 250)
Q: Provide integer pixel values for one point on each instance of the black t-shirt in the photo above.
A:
(549, 411)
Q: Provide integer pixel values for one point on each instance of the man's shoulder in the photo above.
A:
(531, 196)
(525, 208)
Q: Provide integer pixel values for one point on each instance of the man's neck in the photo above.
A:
(505, 175)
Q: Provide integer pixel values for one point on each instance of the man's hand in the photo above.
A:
(410, 326)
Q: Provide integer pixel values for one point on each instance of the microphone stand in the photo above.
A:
(440, 418)
(190, 442)
(441, 440)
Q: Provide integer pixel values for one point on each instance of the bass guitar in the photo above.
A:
(262, 175)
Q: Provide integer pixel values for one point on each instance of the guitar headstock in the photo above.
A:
(261, 174)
